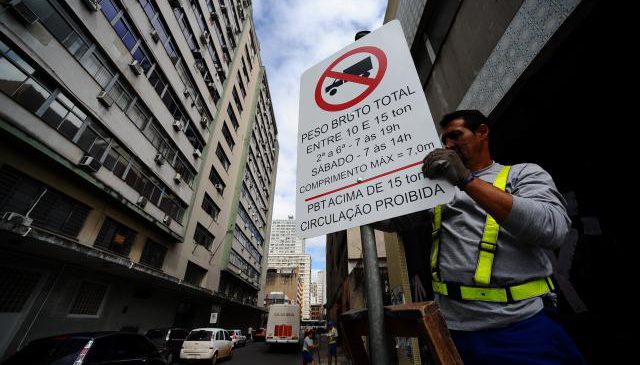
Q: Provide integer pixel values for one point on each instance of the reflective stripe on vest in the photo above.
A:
(482, 278)
(527, 290)
(488, 244)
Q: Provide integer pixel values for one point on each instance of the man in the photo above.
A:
(489, 273)
(307, 348)
(332, 336)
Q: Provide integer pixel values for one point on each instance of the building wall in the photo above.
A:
(284, 239)
(200, 84)
(304, 263)
(284, 280)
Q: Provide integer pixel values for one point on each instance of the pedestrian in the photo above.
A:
(489, 269)
(250, 333)
(332, 336)
(307, 348)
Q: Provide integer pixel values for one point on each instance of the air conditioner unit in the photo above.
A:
(159, 159)
(223, 8)
(136, 68)
(177, 125)
(177, 178)
(17, 218)
(204, 37)
(225, 48)
(197, 153)
(22, 12)
(211, 85)
(218, 66)
(214, 15)
(92, 5)
(166, 220)
(204, 122)
(141, 202)
(105, 98)
(155, 36)
(218, 187)
(186, 93)
(197, 52)
(229, 29)
(89, 163)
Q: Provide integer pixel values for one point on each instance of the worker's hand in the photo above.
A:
(446, 164)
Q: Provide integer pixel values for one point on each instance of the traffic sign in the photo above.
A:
(364, 129)
(358, 73)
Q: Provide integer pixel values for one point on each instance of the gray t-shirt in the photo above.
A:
(538, 221)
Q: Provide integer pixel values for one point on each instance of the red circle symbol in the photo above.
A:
(342, 77)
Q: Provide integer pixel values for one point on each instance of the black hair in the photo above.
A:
(472, 119)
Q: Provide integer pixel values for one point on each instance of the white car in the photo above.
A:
(207, 344)
(238, 338)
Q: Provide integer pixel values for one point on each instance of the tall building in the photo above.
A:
(284, 239)
(303, 262)
(317, 288)
(138, 152)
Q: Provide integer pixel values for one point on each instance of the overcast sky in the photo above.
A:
(294, 36)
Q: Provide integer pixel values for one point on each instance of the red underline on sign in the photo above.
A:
(363, 181)
(350, 77)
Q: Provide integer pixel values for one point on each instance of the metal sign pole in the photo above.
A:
(378, 351)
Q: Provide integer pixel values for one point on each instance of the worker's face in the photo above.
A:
(463, 141)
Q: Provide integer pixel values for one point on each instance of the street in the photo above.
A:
(258, 353)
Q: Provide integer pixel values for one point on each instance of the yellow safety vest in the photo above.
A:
(332, 335)
(482, 278)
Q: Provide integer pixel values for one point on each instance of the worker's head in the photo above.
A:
(467, 133)
(330, 323)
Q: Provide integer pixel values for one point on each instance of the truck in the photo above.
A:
(283, 324)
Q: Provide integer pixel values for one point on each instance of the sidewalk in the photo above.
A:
(323, 351)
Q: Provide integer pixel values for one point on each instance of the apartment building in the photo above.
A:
(138, 154)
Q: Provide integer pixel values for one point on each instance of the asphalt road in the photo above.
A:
(258, 353)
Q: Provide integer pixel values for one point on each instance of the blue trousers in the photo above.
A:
(538, 340)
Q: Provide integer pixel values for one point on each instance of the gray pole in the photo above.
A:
(378, 351)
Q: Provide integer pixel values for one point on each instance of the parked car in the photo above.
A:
(207, 344)
(104, 348)
(168, 341)
(238, 338)
(259, 335)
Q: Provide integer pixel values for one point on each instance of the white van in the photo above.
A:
(283, 325)
(207, 344)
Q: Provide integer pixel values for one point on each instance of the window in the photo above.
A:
(89, 298)
(203, 237)
(54, 210)
(236, 98)
(210, 207)
(222, 157)
(16, 286)
(153, 254)
(115, 237)
(194, 275)
(232, 116)
(227, 136)
(217, 181)
(241, 84)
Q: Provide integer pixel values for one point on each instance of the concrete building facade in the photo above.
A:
(284, 239)
(285, 280)
(138, 159)
(303, 262)
(543, 71)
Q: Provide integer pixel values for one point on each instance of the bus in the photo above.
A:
(283, 324)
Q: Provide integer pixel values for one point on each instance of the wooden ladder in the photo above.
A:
(404, 320)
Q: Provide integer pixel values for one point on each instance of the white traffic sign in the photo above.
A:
(364, 129)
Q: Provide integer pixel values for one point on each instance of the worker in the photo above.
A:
(489, 269)
(307, 348)
(332, 337)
